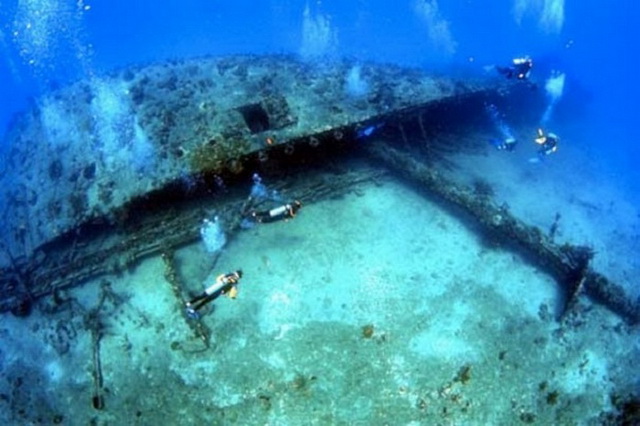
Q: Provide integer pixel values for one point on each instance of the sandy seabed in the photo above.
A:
(376, 307)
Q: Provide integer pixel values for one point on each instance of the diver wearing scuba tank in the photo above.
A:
(547, 143)
(286, 211)
(224, 284)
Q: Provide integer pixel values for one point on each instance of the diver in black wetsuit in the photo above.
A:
(224, 284)
(286, 211)
(506, 144)
(548, 143)
(520, 69)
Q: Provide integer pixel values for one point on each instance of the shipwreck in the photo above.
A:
(110, 169)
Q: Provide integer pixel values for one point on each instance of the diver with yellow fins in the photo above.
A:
(225, 284)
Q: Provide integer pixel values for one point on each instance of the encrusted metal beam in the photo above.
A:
(568, 264)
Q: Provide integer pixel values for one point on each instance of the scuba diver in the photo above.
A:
(254, 212)
(506, 144)
(548, 143)
(225, 284)
(520, 68)
(283, 212)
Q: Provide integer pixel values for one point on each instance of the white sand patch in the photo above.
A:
(445, 339)
(226, 396)
(196, 372)
(520, 284)
(280, 310)
(358, 261)
(275, 360)
(353, 261)
(154, 295)
(400, 370)
(587, 374)
(54, 371)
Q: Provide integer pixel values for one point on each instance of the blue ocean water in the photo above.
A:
(48, 44)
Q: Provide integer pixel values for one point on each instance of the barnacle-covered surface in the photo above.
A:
(83, 151)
